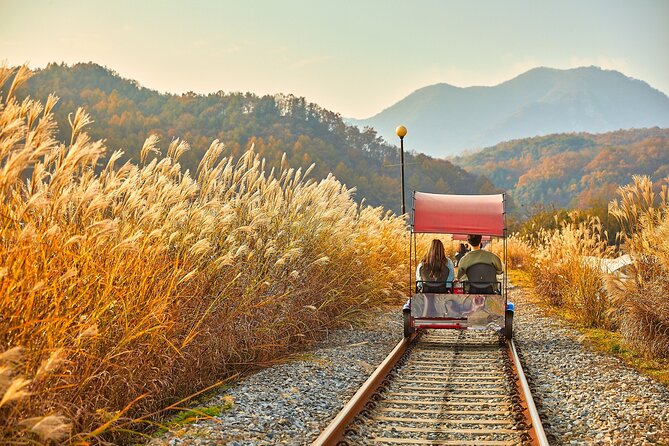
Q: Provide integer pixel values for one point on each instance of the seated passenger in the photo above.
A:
(435, 272)
(477, 256)
(461, 252)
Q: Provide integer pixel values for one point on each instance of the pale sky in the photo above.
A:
(352, 57)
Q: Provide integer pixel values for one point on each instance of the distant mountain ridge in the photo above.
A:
(444, 120)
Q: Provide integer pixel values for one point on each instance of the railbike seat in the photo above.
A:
(482, 279)
(425, 286)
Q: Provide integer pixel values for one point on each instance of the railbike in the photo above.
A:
(479, 303)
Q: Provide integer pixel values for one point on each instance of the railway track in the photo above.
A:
(444, 387)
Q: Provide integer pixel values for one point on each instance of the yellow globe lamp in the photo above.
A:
(401, 131)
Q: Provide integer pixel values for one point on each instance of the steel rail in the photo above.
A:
(335, 430)
(537, 427)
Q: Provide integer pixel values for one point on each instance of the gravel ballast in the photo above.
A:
(584, 397)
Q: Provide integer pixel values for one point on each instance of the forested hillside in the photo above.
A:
(126, 113)
(577, 169)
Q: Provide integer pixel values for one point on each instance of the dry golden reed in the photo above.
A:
(643, 212)
(125, 288)
(567, 271)
(518, 251)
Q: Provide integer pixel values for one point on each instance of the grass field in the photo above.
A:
(124, 289)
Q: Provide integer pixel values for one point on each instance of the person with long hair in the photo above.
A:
(434, 273)
(435, 266)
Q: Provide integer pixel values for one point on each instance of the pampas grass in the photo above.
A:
(518, 251)
(125, 288)
(567, 273)
(644, 308)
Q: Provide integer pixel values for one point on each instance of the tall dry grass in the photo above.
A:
(643, 212)
(518, 251)
(567, 273)
(125, 288)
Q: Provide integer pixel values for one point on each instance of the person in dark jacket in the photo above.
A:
(461, 252)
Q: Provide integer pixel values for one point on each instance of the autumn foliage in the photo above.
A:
(575, 170)
(275, 125)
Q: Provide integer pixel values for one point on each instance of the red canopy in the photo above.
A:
(458, 214)
(461, 237)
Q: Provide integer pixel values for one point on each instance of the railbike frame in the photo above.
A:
(455, 310)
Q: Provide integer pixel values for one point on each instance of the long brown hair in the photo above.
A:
(434, 262)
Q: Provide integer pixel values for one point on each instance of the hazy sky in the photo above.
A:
(352, 57)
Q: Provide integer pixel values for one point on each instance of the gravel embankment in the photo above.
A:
(291, 403)
(584, 397)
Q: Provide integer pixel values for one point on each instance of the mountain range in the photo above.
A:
(444, 120)
(124, 114)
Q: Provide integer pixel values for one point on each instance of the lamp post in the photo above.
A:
(401, 131)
